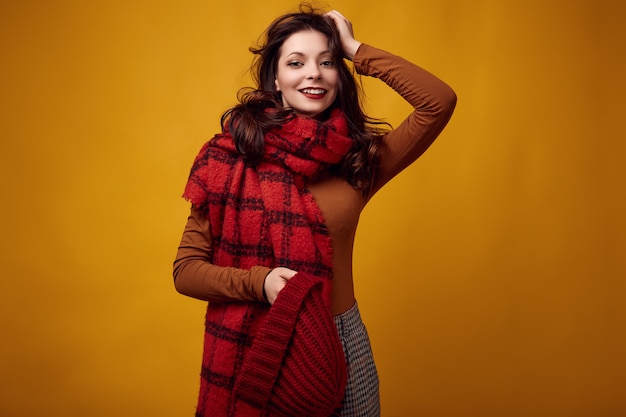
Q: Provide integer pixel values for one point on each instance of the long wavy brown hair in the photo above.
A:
(248, 121)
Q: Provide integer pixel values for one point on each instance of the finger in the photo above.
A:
(343, 25)
(336, 13)
(335, 16)
(339, 18)
(288, 274)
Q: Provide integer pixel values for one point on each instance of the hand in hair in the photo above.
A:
(346, 34)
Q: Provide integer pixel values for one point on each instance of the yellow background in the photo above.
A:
(490, 273)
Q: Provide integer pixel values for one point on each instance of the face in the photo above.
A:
(306, 75)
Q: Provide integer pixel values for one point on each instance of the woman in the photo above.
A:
(276, 199)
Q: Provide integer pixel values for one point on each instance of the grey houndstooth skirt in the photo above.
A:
(362, 397)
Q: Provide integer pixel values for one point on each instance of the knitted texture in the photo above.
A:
(264, 215)
(294, 368)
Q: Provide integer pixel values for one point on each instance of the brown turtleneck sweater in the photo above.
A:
(433, 103)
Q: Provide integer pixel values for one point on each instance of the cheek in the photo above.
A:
(333, 79)
(335, 83)
(283, 82)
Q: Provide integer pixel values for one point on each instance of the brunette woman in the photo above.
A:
(276, 199)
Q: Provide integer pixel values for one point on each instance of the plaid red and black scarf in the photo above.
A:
(260, 215)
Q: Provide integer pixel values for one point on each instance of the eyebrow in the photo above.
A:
(303, 54)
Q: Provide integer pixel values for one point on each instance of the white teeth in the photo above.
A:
(313, 91)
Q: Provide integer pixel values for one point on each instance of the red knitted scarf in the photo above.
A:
(264, 215)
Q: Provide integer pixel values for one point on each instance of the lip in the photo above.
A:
(318, 93)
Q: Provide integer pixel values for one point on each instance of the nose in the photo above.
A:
(313, 72)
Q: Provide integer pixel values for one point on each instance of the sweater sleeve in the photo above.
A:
(432, 100)
(196, 276)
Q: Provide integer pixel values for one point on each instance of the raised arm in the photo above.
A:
(433, 102)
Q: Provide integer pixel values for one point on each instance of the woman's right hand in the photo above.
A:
(275, 281)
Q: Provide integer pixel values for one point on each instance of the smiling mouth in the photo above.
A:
(313, 92)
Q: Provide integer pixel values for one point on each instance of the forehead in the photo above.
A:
(307, 42)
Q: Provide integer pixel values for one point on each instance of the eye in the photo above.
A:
(294, 64)
(327, 63)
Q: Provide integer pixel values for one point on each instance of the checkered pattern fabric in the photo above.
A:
(362, 393)
(259, 215)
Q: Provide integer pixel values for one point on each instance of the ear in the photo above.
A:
(277, 86)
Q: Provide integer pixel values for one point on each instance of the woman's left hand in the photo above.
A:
(346, 34)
